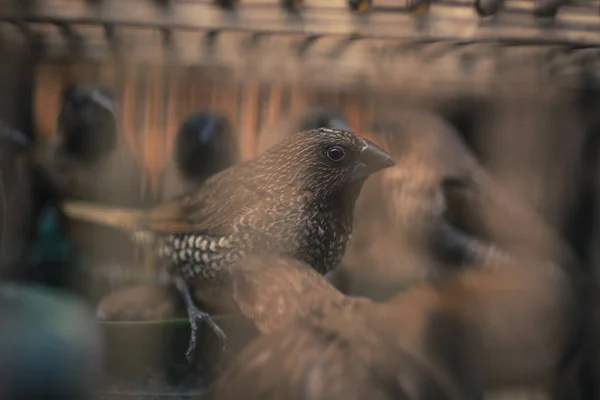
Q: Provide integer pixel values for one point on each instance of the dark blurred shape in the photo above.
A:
(360, 6)
(418, 7)
(547, 8)
(292, 5)
(87, 123)
(205, 144)
(581, 229)
(318, 117)
(226, 4)
(50, 345)
(485, 8)
(468, 115)
(23, 198)
(141, 303)
(88, 159)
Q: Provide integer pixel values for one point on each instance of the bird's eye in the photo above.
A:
(336, 153)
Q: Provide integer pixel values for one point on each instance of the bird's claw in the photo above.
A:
(196, 317)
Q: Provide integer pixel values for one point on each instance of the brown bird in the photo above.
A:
(270, 291)
(476, 330)
(295, 200)
(434, 211)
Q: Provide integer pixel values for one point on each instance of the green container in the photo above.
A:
(146, 360)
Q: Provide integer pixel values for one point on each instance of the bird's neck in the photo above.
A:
(342, 202)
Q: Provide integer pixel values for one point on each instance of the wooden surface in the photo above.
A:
(446, 18)
(178, 34)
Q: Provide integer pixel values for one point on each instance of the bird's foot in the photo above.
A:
(196, 317)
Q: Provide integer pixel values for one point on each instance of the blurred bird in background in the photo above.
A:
(87, 159)
(205, 144)
(296, 200)
(433, 212)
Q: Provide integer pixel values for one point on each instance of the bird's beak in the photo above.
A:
(372, 159)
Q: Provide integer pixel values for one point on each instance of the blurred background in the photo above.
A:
(130, 103)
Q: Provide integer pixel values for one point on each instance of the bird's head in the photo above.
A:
(205, 145)
(86, 124)
(324, 162)
(429, 152)
(434, 175)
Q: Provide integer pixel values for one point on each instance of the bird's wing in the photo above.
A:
(215, 207)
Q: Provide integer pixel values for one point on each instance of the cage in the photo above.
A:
(511, 76)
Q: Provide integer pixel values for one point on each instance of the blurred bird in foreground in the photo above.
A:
(295, 200)
(319, 117)
(479, 329)
(434, 212)
(270, 291)
(205, 144)
(87, 159)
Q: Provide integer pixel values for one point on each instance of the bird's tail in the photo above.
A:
(128, 220)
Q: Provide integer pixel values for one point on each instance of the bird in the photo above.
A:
(204, 145)
(434, 212)
(87, 159)
(294, 200)
(452, 339)
(315, 118)
(270, 291)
